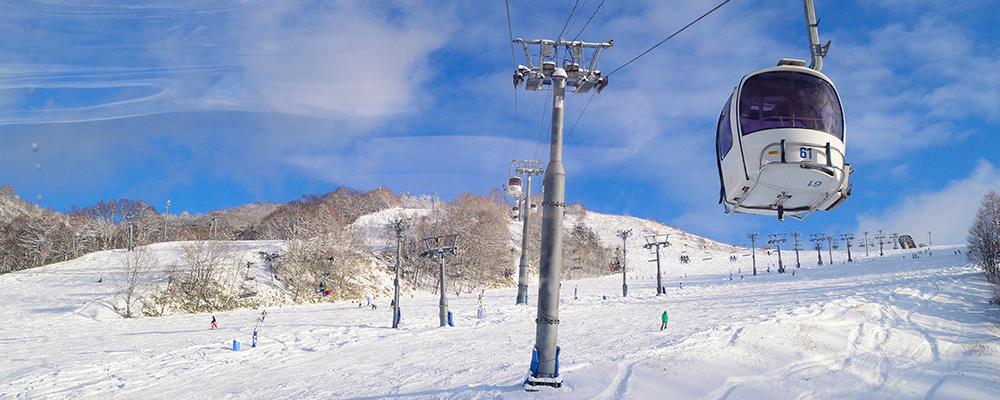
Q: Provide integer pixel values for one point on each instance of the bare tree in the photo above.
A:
(202, 261)
(135, 267)
(984, 237)
(333, 258)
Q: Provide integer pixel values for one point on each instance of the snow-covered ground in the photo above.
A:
(889, 327)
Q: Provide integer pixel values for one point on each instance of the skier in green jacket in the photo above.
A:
(664, 317)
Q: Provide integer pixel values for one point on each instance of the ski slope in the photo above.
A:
(881, 327)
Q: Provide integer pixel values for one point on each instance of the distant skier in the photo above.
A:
(263, 315)
(214, 325)
(254, 343)
(664, 318)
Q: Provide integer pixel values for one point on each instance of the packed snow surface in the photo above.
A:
(880, 327)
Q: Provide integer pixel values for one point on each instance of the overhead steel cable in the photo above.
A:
(545, 111)
(581, 116)
(588, 20)
(573, 11)
(669, 37)
(513, 57)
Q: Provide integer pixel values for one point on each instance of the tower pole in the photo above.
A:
(624, 235)
(399, 226)
(443, 303)
(550, 267)
(528, 168)
(522, 270)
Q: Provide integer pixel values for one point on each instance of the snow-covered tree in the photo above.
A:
(984, 237)
(134, 269)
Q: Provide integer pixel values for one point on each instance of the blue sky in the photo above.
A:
(212, 104)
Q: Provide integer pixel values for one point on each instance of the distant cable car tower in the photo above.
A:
(781, 139)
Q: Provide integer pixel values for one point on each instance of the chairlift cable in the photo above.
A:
(669, 37)
(588, 20)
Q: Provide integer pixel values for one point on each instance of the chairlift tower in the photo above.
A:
(399, 226)
(753, 245)
(817, 238)
(777, 239)
(866, 244)
(829, 243)
(847, 238)
(528, 169)
(797, 247)
(446, 244)
(561, 63)
(881, 240)
(654, 241)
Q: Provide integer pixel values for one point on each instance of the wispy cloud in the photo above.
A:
(908, 86)
(334, 60)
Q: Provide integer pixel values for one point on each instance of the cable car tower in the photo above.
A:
(561, 64)
(523, 210)
(781, 139)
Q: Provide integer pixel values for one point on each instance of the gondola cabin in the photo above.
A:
(514, 186)
(780, 144)
(515, 213)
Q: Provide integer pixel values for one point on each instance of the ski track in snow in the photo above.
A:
(890, 327)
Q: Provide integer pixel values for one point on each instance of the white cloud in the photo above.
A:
(447, 164)
(342, 59)
(948, 213)
(906, 86)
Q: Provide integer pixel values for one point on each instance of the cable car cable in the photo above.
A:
(573, 11)
(545, 109)
(513, 57)
(669, 37)
(588, 20)
(581, 116)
